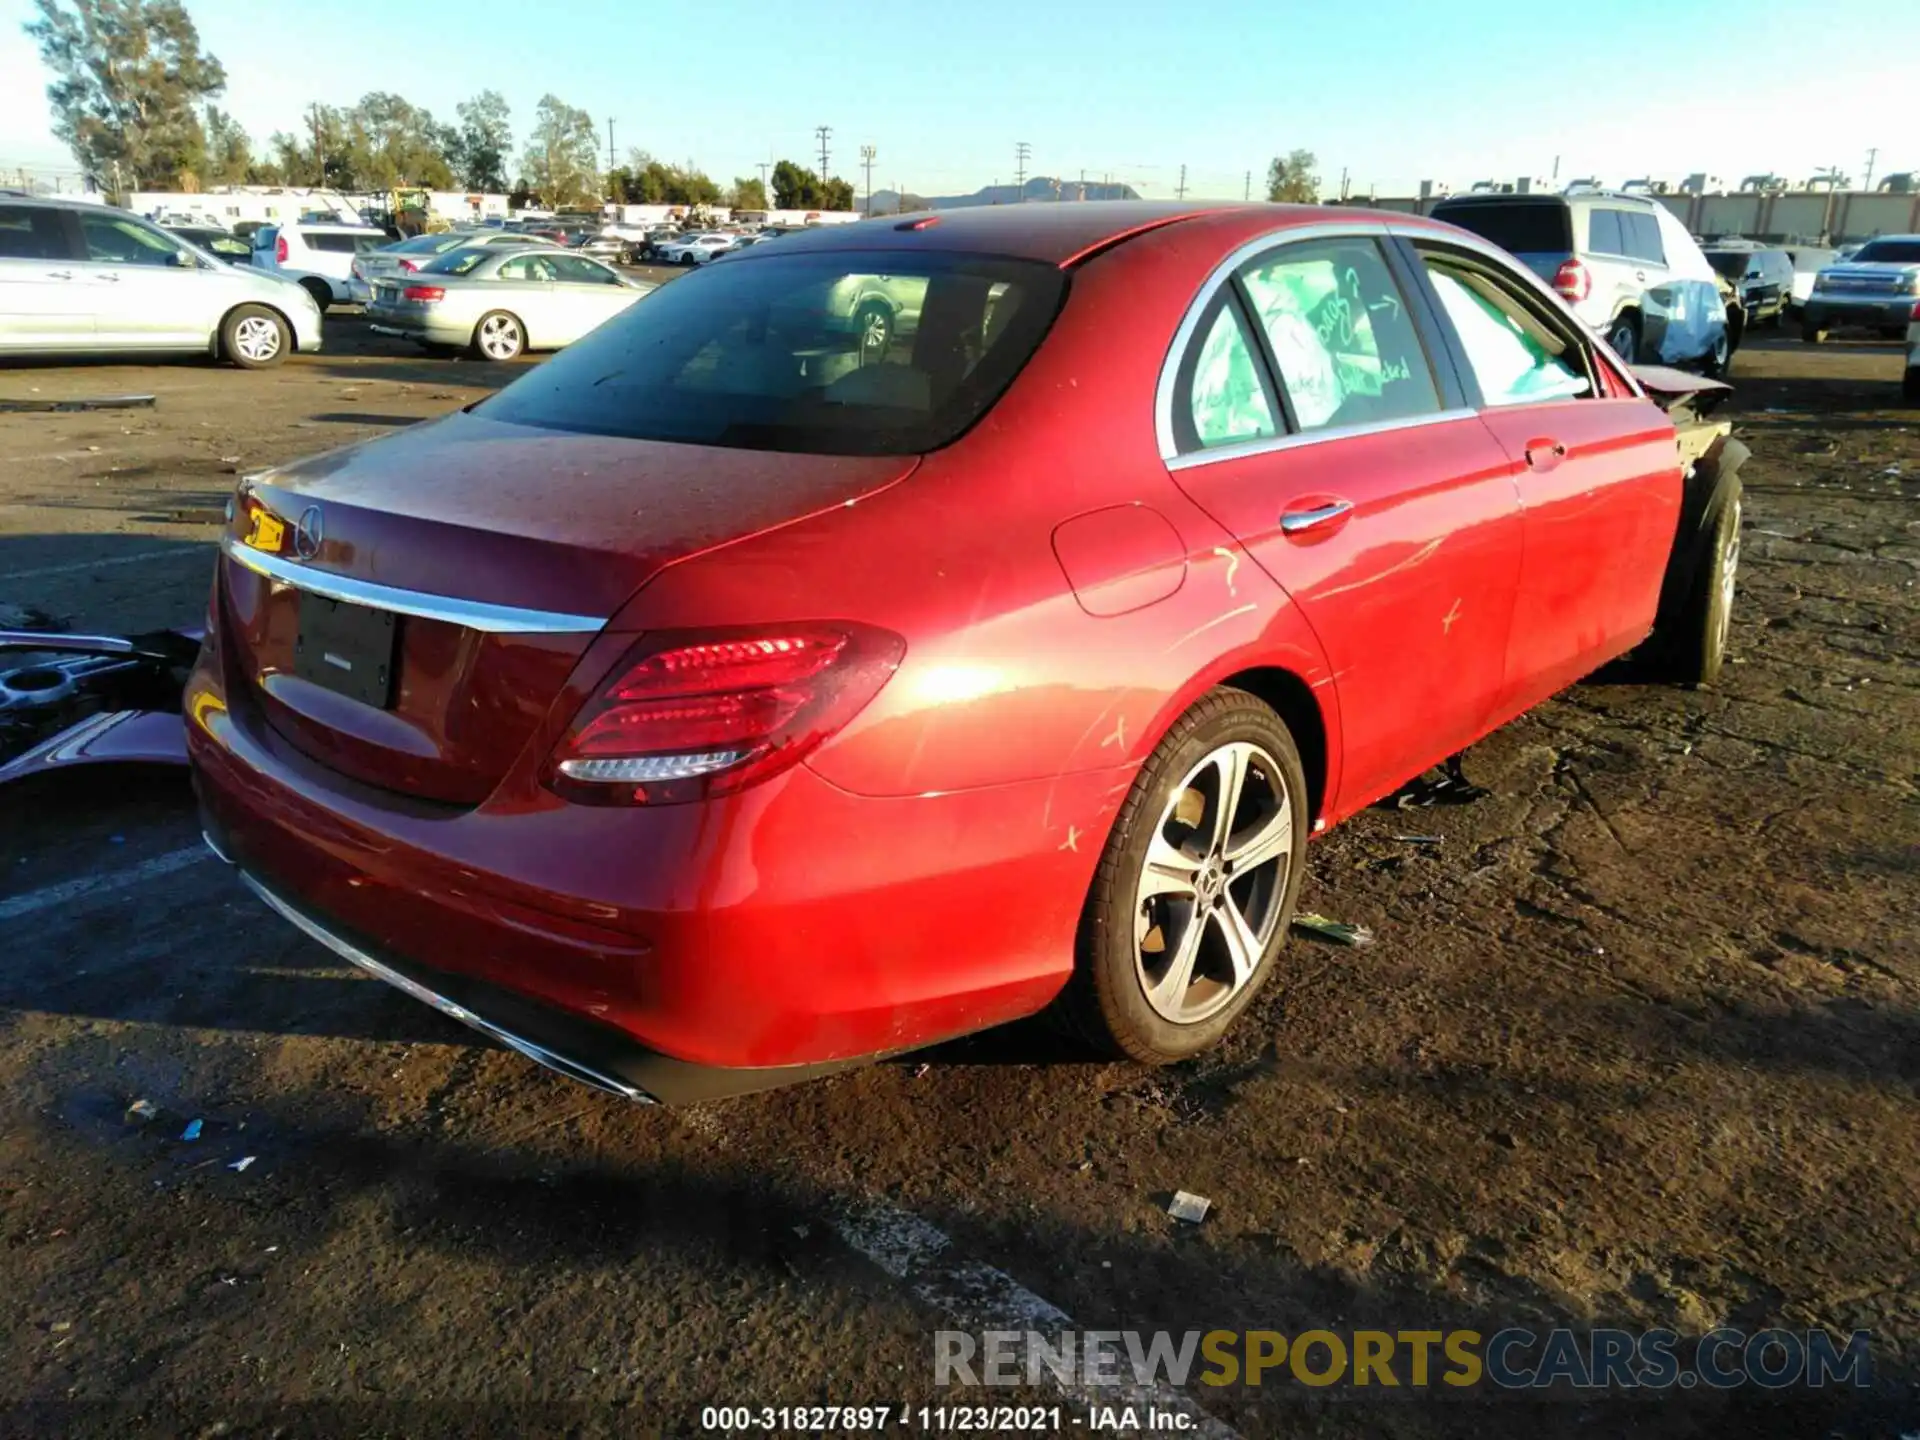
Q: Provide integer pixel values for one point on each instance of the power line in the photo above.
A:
(1021, 151)
(823, 131)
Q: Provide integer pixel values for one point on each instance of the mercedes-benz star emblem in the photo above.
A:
(308, 533)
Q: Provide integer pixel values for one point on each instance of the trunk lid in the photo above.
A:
(498, 550)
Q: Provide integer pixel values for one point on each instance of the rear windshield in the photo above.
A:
(1519, 229)
(456, 262)
(841, 353)
(1733, 263)
(1893, 252)
(345, 244)
(424, 245)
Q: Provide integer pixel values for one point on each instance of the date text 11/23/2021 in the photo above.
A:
(941, 1419)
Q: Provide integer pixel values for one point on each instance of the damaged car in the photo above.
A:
(731, 699)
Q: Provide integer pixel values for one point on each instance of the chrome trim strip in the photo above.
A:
(1332, 230)
(1243, 448)
(474, 614)
(539, 1054)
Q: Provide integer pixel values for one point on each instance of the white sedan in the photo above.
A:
(693, 249)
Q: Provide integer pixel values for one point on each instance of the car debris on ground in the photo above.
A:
(1338, 931)
(1190, 1208)
(86, 699)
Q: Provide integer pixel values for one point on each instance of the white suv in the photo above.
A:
(1624, 263)
(319, 256)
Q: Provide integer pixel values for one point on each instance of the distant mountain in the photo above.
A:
(1040, 187)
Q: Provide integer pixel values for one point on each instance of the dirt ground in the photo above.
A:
(1637, 1045)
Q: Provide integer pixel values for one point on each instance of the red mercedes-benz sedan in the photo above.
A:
(898, 629)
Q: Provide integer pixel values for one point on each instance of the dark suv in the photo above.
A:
(1763, 279)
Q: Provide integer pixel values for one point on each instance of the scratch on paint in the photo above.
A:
(1233, 568)
(1217, 620)
(1446, 621)
(1119, 735)
(1072, 842)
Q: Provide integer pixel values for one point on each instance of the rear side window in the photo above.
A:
(1340, 335)
(1523, 228)
(345, 244)
(1604, 234)
(29, 232)
(1226, 395)
(1642, 234)
(837, 353)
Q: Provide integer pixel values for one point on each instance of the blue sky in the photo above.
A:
(1392, 90)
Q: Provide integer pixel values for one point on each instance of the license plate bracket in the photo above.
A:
(348, 649)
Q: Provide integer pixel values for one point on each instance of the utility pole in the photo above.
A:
(1873, 155)
(319, 145)
(1247, 193)
(823, 132)
(765, 166)
(1020, 153)
(866, 162)
(609, 142)
(1180, 190)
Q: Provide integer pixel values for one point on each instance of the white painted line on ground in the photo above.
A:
(90, 887)
(80, 565)
(976, 1297)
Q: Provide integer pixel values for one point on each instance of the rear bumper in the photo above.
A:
(413, 325)
(684, 950)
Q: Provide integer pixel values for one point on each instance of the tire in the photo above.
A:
(873, 331)
(1715, 362)
(1698, 641)
(321, 292)
(1910, 385)
(499, 336)
(254, 337)
(1624, 336)
(1127, 996)
(1812, 334)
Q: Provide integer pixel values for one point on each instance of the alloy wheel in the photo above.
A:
(500, 337)
(257, 339)
(1212, 887)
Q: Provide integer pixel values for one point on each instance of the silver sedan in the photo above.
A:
(497, 303)
(405, 257)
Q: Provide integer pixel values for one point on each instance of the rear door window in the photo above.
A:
(830, 353)
(1338, 329)
(1642, 234)
(31, 232)
(345, 244)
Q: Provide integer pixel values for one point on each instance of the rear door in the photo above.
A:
(42, 296)
(1310, 420)
(1597, 474)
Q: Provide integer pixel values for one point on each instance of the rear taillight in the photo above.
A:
(1573, 280)
(279, 249)
(688, 716)
(1916, 311)
(358, 271)
(424, 293)
(409, 266)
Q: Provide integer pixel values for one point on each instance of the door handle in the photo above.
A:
(1640, 275)
(108, 279)
(1295, 522)
(59, 274)
(1545, 454)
